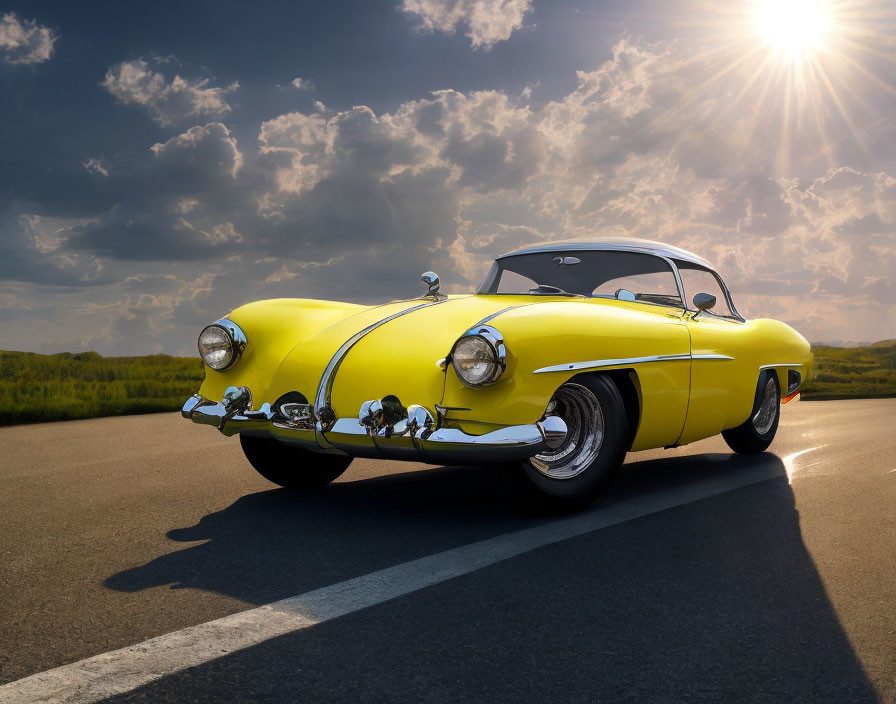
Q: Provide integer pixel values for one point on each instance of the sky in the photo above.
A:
(160, 168)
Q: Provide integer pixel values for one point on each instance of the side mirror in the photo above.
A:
(431, 279)
(703, 302)
(623, 294)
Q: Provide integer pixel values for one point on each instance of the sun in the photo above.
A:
(794, 28)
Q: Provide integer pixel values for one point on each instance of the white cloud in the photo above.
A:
(487, 21)
(300, 83)
(135, 83)
(353, 204)
(95, 166)
(25, 41)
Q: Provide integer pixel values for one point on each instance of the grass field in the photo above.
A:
(853, 372)
(37, 387)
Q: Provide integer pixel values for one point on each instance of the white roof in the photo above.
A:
(620, 244)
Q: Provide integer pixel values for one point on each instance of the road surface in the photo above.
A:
(699, 576)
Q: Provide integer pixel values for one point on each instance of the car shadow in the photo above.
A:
(731, 571)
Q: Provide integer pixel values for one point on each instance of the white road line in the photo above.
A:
(122, 670)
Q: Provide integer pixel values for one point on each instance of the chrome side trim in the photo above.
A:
(504, 310)
(322, 398)
(783, 364)
(598, 363)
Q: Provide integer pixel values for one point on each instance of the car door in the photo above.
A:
(722, 386)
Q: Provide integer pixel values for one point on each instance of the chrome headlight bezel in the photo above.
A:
(494, 342)
(236, 338)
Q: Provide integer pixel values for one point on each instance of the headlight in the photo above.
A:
(479, 357)
(221, 344)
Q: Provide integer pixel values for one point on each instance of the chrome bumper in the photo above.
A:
(403, 440)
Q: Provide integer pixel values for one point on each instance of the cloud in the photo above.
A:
(199, 152)
(302, 83)
(487, 21)
(175, 204)
(24, 41)
(95, 166)
(353, 204)
(169, 102)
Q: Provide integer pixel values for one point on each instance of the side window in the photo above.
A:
(656, 287)
(698, 280)
(511, 282)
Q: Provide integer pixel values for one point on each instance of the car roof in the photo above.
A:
(618, 244)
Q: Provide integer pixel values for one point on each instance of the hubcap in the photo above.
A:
(765, 416)
(580, 410)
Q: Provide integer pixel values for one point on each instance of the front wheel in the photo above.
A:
(572, 475)
(292, 467)
(756, 433)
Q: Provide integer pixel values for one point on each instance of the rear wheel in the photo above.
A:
(292, 467)
(572, 475)
(756, 433)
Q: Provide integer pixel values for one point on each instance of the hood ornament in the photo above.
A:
(431, 279)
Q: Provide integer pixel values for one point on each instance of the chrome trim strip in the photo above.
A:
(325, 387)
(783, 364)
(678, 281)
(598, 363)
(504, 310)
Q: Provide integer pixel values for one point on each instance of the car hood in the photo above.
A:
(390, 349)
(291, 342)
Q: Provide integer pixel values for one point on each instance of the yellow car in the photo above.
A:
(565, 358)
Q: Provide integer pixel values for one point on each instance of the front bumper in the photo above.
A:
(401, 440)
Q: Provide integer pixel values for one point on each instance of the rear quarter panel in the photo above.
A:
(723, 391)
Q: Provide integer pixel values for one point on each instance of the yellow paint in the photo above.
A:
(291, 341)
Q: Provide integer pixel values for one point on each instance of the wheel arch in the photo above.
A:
(629, 387)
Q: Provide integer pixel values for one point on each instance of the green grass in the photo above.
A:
(37, 387)
(853, 372)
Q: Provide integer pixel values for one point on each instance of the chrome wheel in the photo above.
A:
(580, 410)
(764, 418)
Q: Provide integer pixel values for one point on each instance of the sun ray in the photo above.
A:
(803, 65)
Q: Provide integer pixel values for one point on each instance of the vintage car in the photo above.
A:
(565, 358)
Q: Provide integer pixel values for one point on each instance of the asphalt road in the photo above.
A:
(118, 530)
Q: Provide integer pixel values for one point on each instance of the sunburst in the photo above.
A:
(794, 71)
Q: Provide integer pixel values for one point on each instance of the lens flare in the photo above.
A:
(794, 27)
(792, 77)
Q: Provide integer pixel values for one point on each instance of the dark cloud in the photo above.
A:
(354, 203)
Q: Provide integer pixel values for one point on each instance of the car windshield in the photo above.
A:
(595, 274)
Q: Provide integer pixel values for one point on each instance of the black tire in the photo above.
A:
(756, 433)
(292, 467)
(570, 481)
